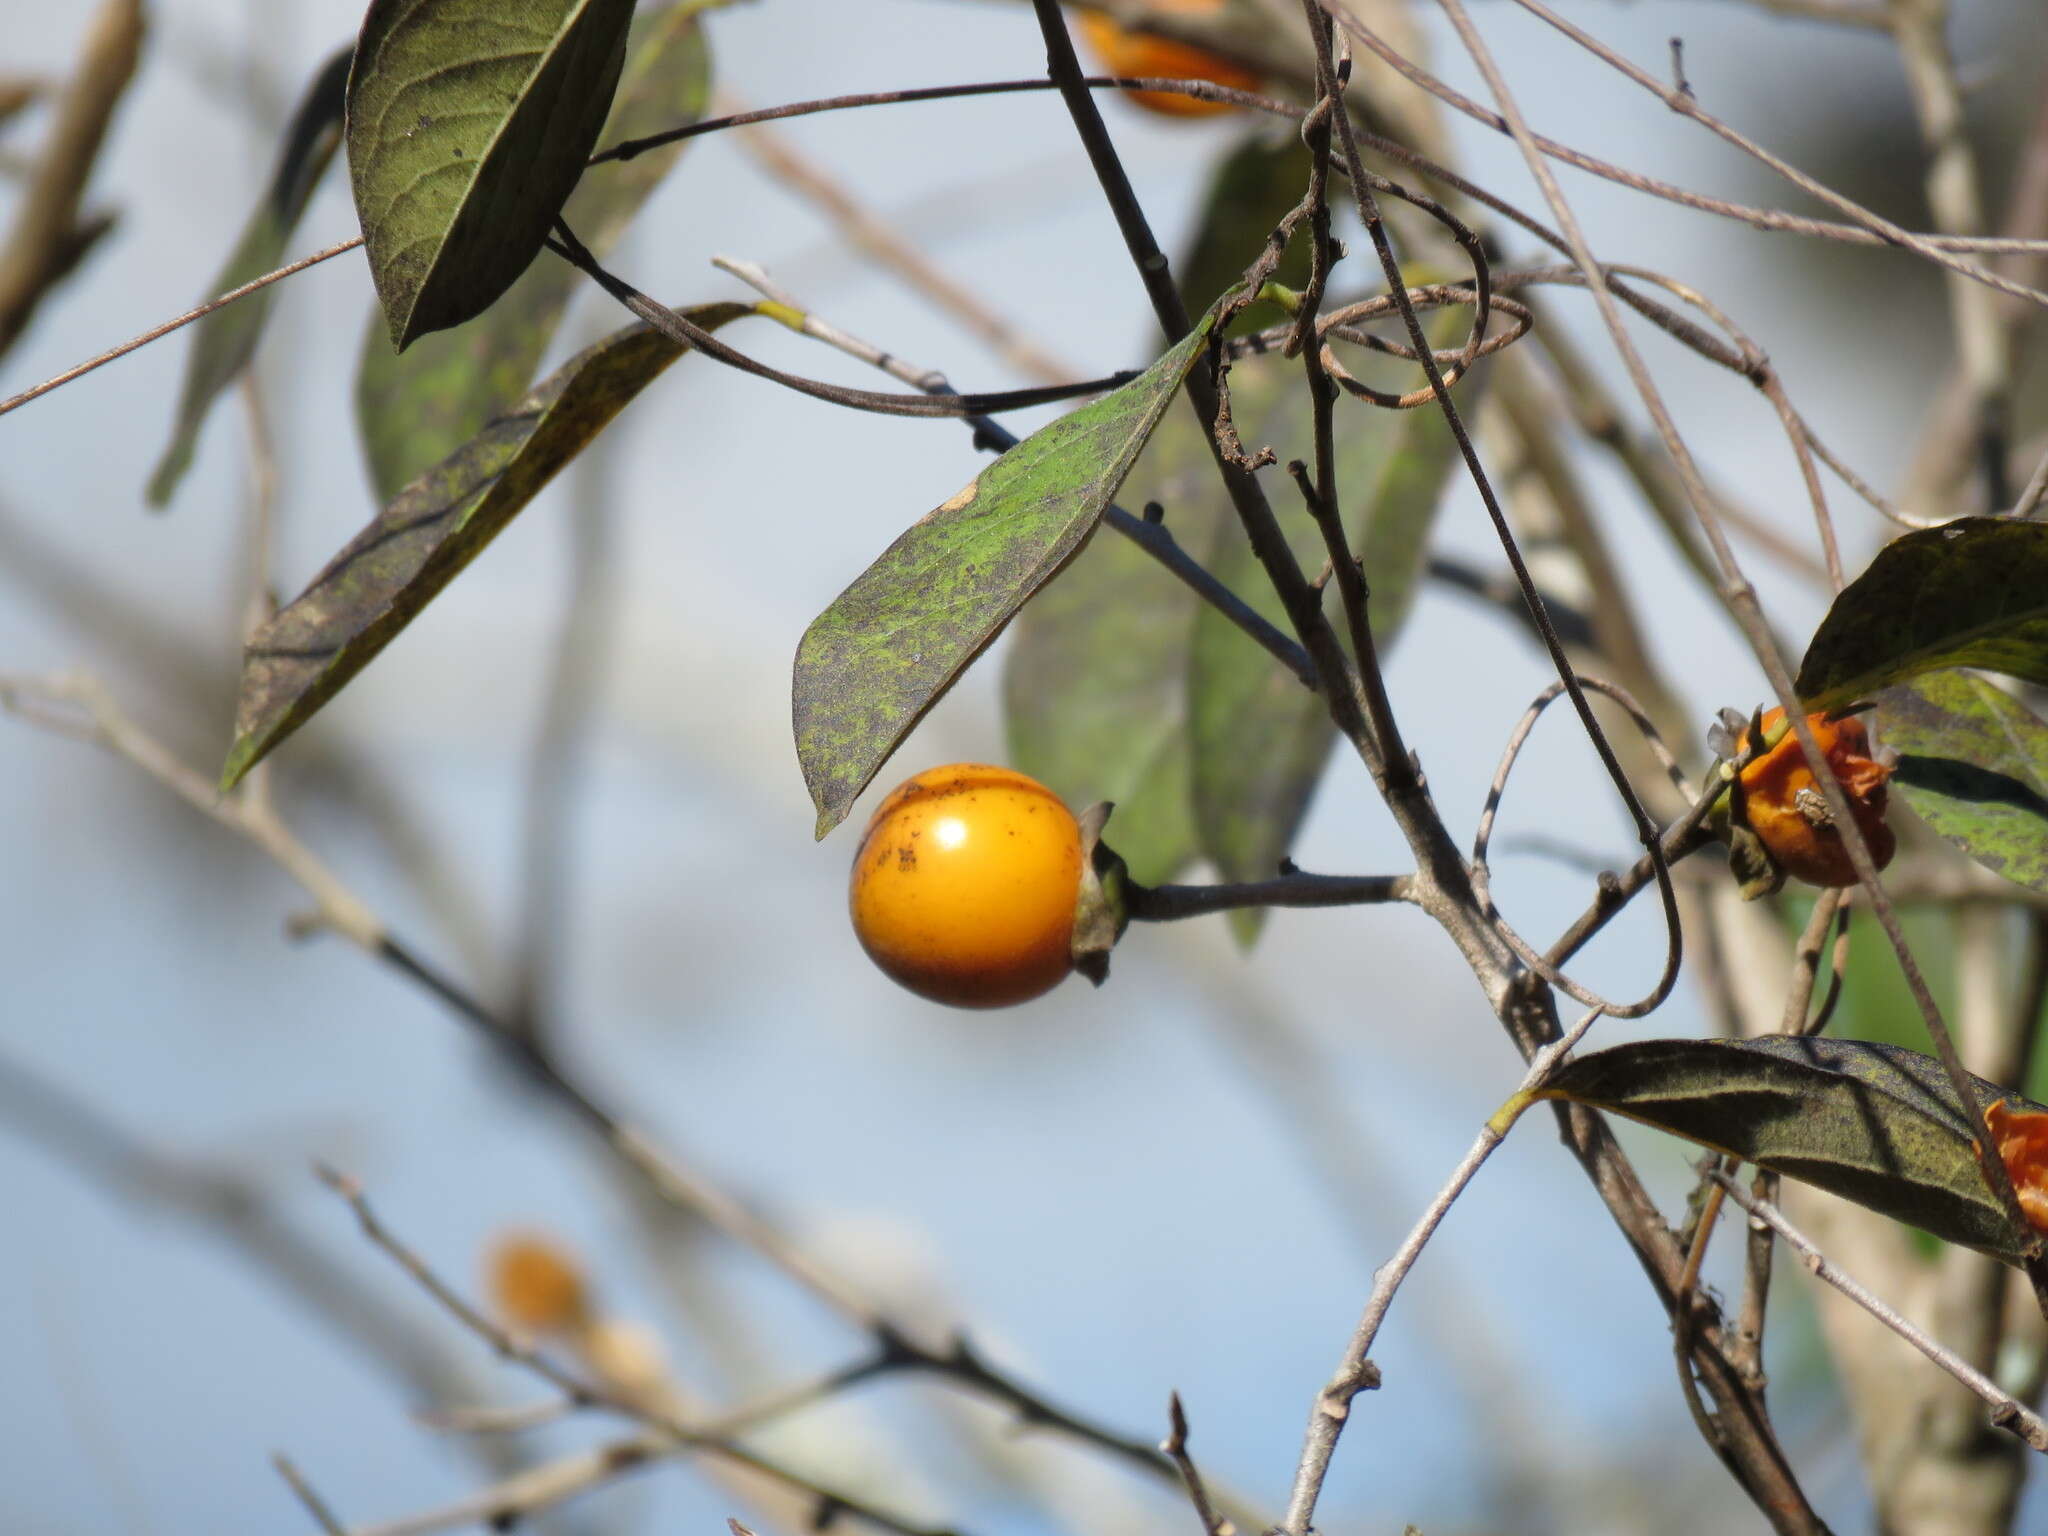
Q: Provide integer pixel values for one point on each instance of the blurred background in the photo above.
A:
(1179, 1182)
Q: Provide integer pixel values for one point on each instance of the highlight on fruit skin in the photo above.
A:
(535, 1284)
(1782, 804)
(965, 886)
(1123, 52)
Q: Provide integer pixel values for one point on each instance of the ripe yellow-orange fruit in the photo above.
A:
(1135, 53)
(535, 1284)
(965, 884)
(1784, 806)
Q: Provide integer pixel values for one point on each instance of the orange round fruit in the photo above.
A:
(1121, 52)
(965, 884)
(1784, 806)
(536, 1285)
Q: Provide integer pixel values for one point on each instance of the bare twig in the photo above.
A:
(1736, 590)
(1176, 1446)
(672, 1434)
(48, 239)
(1294, 888)
(2006, 1413)
(315, 1505)
(882, 245)
(1955, 197)
(158, 332)
(1149, 534)
(1355, 1372)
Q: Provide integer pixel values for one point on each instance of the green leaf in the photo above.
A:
(468, 123)
(1974, 764)
(1095, 680)
(416, 407)
(1261, 740)
(420, 542)
(1971, 593)
(1094, 696)
(891, 644)
(1875, 1124)
(225, 340)
(1254, 185)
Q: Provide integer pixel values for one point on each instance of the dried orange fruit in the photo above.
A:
(2022, 1137)
(1121, 52)
(536, 1285)
(1781, 802)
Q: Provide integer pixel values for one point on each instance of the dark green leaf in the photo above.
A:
(468, 123)
(1872, 1123)
(1095, 682)
(435, 527)
(892, 643)
(1255, 185)
(225, 340)
(416, 407)
(1093, 694)
(1972, 593)
(1974, 763)
(1260, 739)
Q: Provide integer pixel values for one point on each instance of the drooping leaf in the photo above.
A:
(1093, 697)
(1095, 681)
(420, 542)
(416, 407)
(1973, 761)
(1875, 1124)
(893, 642)
(1253, 186)
(1260, 740)
(225, 340)
(1971, 593)
(468, 123)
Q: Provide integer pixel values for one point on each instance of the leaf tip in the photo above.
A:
(244, 755)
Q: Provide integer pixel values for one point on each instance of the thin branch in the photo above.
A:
(1806, 963)
(48, 239)
(2006, 1412)
(78, 707)
(1687, 106)
(1736, 590)
(882, 245)
(1148, 533)
(1176, 1446)
(686, 332)
(1862, 232)
(673, 1434)
(158, 332)
(1955, 198)
(1169, 903)
(1646, 829)
(1355, 1372)
(315, 1505)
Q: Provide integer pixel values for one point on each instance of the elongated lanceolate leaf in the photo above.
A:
(1973, 762)
(225, 340)
(435, 527)
(892, 643)
(1095, 679)
(1875, 1124)
(1253, 186)
(468, 123)
(1972, 593)
(1260, 740)
(416, 407)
